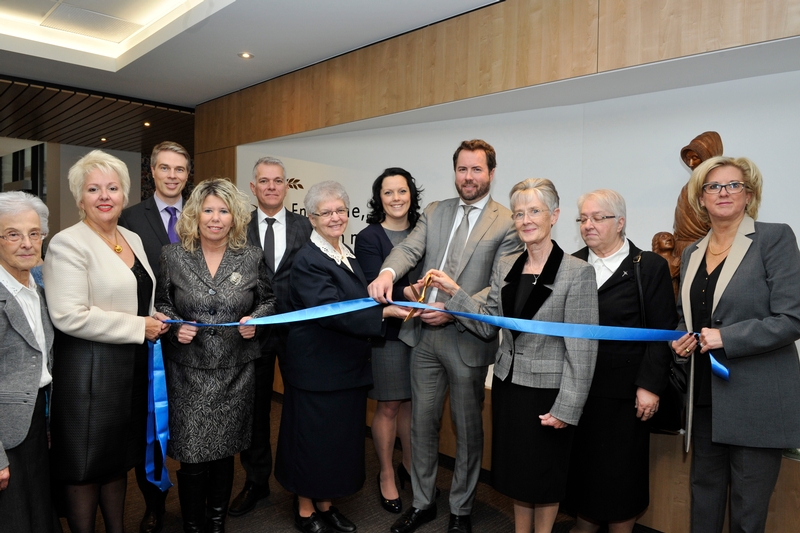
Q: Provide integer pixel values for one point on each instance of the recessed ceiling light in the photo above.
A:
(146, 124)
(102, 139)
(246, 55)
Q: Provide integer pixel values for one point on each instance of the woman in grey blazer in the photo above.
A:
(212, 276)
(740, 288)
(540, 382)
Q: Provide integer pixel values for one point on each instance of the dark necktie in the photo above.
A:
(456, 250)
(269, 244)
(173, 219)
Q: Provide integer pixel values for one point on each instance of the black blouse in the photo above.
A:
(701, 295)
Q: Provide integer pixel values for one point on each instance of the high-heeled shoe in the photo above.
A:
(393, 506)
(403, 476)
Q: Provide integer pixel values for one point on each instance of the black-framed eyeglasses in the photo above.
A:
(597, 219)
(532, 213)
(734, 187)
(342, 212)
(16, 236)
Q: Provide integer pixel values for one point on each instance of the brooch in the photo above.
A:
(236, 278)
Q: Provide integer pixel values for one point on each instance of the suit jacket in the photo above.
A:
(298, 231)
(20, 369)
(492, 238)
(756, 308)
(145, 220)
(542, 361)
(186, 291)
(331, 353)
(622, 367)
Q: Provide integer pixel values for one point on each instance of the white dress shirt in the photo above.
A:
(604, 267)
(278, 228)
(331, 252)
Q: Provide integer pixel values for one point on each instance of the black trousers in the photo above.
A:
(257, 460)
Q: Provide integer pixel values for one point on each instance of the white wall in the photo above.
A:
(630, 144)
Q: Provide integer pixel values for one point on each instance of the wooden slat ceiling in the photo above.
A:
(37, 112)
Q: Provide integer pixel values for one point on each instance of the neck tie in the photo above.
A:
(269, 244)
(456, 250)
(173, 218)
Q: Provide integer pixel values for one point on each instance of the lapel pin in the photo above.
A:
(236, 278)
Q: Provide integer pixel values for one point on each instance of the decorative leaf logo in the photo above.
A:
(294, 183)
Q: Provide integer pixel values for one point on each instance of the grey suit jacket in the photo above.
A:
(542, 361)
(145, 220)
(20, 369)
(492, 237)
(756, 308)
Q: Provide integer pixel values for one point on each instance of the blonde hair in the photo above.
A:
(188, 226)
(105, 163)
(751, 177)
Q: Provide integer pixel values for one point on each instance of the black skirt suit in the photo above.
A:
(326, 373)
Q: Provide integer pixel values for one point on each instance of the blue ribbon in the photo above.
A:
(157, 416)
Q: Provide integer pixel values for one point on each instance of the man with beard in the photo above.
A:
(464, 237)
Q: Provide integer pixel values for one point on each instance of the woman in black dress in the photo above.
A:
(395, 209)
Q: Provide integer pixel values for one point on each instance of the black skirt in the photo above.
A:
(321, 442)
(529, 461)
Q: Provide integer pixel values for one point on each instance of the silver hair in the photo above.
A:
(325, 190)
(609, 200)
(268, 161)
(543, 188)
(16, 202)
(97, 160)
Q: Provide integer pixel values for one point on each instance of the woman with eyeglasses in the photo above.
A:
(326, 371)
(739, 290)
(609, 476)
(540, 382)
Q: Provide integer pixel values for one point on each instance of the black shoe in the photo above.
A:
(220, 483)
(413, 518)
(245, 501)
(403, 476)
(393, 506)
(336, 520)
(311, 524)
(459, 524)
(152, 522)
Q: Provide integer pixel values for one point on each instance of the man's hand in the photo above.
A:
(435, 318)
(381, 288)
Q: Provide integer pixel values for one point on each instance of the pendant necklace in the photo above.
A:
(115, 245)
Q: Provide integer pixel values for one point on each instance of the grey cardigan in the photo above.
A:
(20, 369)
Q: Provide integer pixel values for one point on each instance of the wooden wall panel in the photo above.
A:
(219, 163)
(635, 32)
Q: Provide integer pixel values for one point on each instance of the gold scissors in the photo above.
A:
(420, 297)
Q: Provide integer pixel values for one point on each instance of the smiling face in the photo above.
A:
(102, 198)
(473, 178)
(725, 206)
(18, 258)
(396, 198)
(270, 188)
(170, 172)
(534, 230)
(215, 221)
(330, 228)
(603, 237)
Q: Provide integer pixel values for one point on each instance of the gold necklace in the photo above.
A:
(720, 253)
(116, 247)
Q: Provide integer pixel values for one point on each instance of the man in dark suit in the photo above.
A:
(280, 234)
(154, 221)
(465, 237)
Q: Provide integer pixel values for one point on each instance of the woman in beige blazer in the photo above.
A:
(99, 288)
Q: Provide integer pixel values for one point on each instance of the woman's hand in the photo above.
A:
(247, 332)
(550, 420)
(646, 404)
(4, 475)
(396, 311)
(154, 327)
(685, 346)
(442, 281)
(186, 333)
(710, 339)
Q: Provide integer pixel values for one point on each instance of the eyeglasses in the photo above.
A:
(734, 187)
(15, 236)
(532, 213)
(342, 212)
(597, 219)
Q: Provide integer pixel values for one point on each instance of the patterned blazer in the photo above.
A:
(186, 291)
(542, 361)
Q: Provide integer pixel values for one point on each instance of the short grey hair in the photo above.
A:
(325, 190)
(97, 160)
(543, 188)
(268, 161)
(609, 200)
(16, 202)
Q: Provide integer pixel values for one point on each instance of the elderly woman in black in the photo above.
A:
(326, 371)
(609, 471)
(739, 289)
(211, 276)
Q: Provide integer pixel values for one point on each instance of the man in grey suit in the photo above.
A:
(280, 234)
(463, 236)
(26, 335)
(154, 221)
